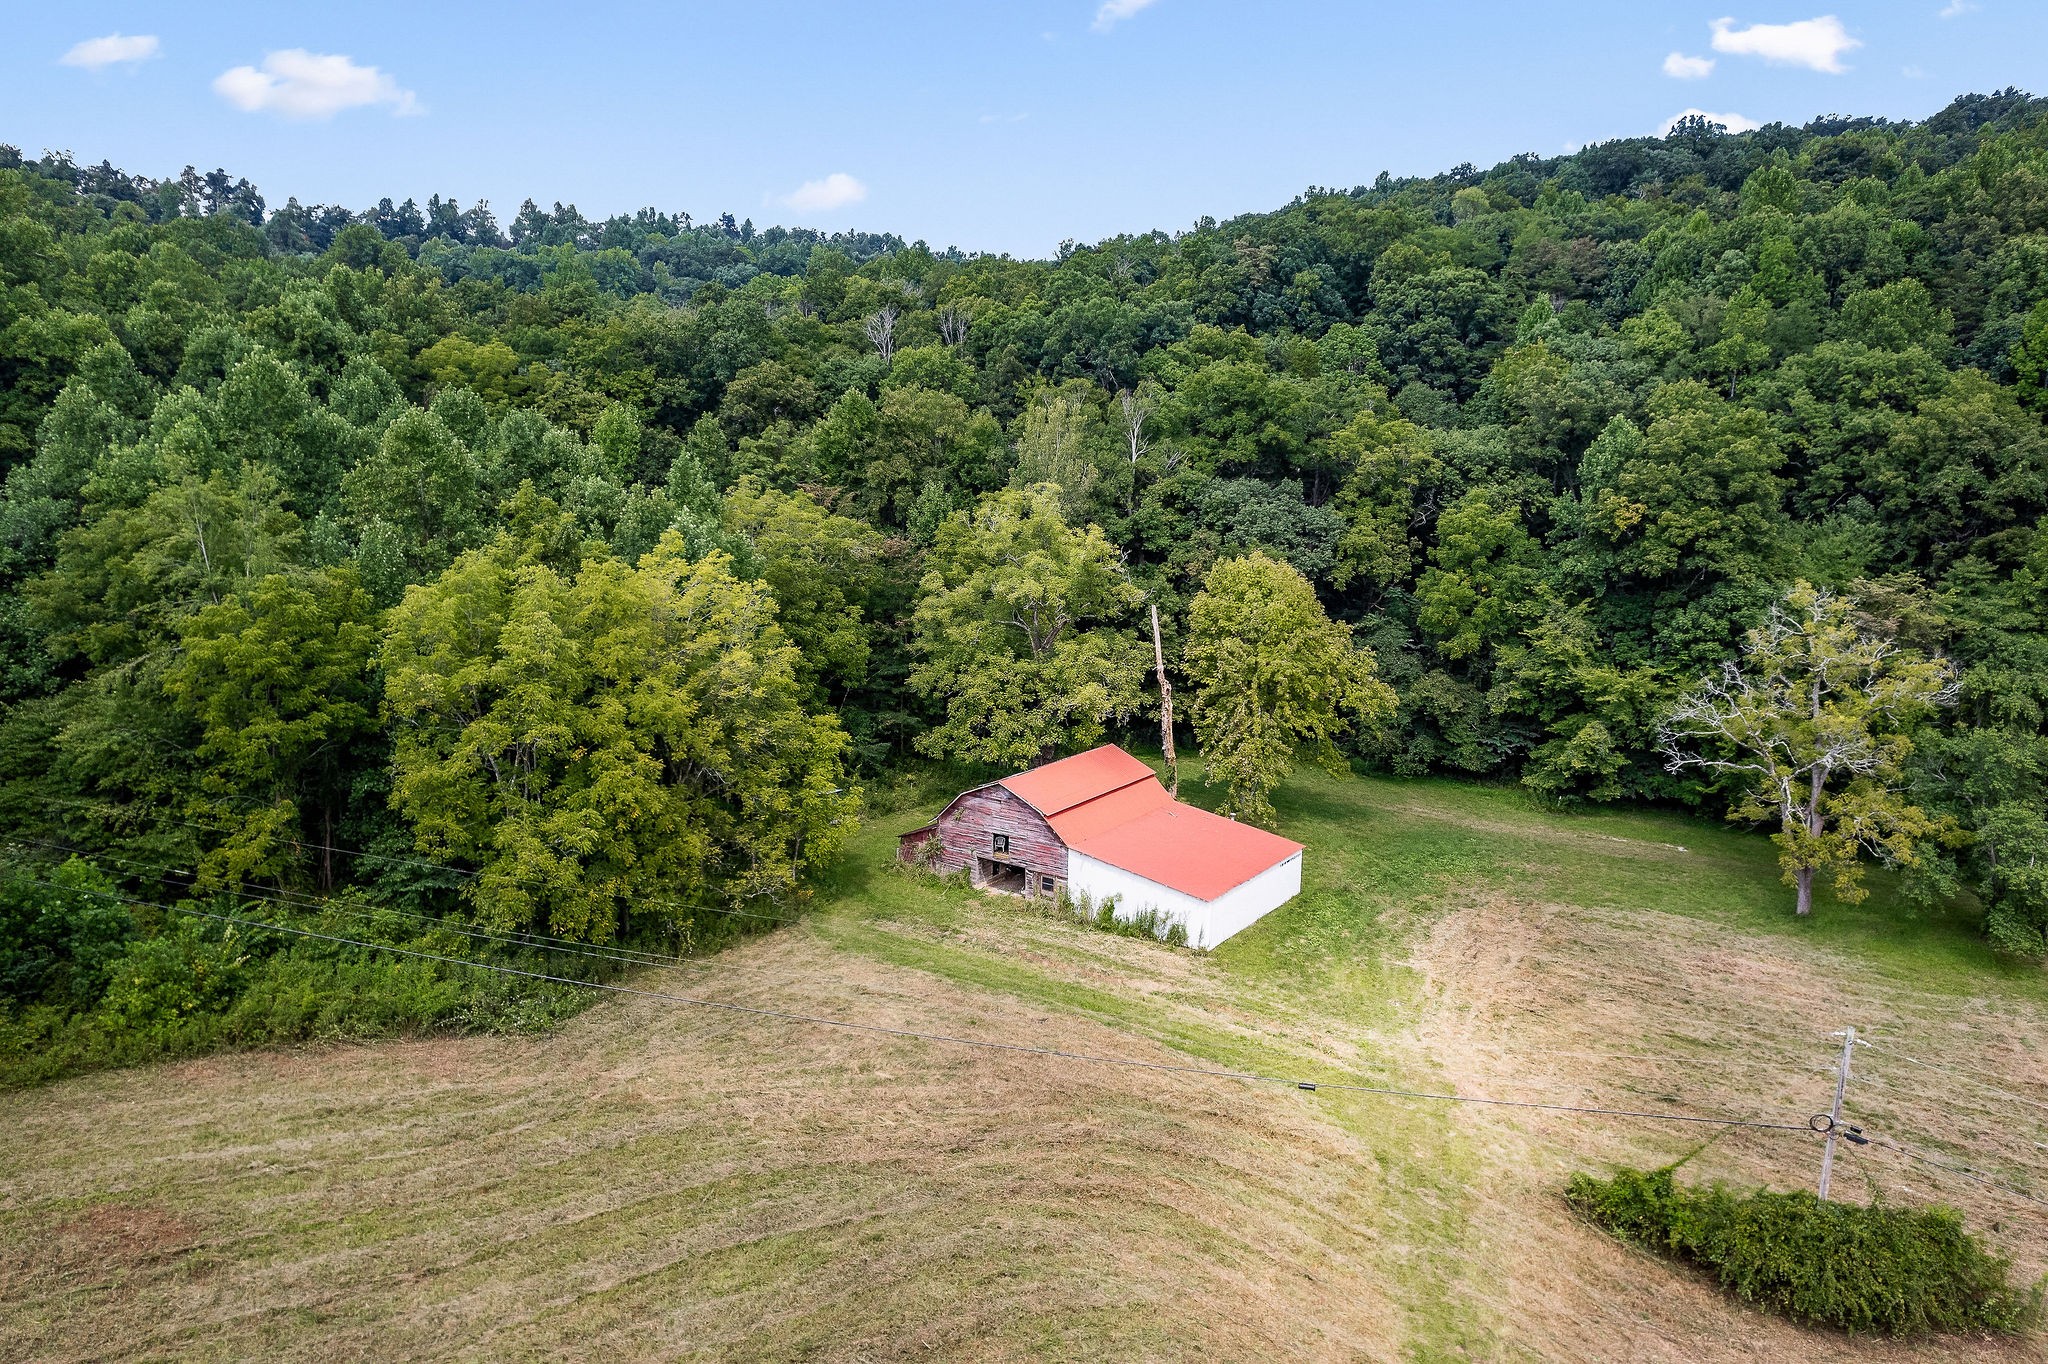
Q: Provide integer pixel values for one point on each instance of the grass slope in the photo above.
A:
(658, 1181)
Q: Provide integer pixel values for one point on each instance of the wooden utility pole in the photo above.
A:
(1827, 1155)
(1165, 710)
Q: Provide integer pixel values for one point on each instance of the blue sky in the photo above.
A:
(994, 126)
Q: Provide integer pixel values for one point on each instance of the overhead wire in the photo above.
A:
(172, 877)
(985, 1044)
(1964, 1117)
(290, 900)
(1518, 1053)
(1964, 1171)
(1961, 1171)
(1968, 1073)
(466, 872)
(542, 942)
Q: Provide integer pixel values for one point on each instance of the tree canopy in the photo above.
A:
(1275, 677)
(616, 741)
(1810, 730)
(591, 563)
(1026, 633)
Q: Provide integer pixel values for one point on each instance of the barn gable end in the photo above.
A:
(965, 834)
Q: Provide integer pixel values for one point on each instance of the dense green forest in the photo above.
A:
(570, 577)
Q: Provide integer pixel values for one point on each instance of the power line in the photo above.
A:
(1057, 1053)
(467, 872)
(1958, 1100)
(1965, 1171)
(1832, 1126)
(986, 1044)
(1668, 1058)
(168, 876)
(1965, 1073)
(291, 900)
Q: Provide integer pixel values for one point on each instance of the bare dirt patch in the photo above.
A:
(114, 1237)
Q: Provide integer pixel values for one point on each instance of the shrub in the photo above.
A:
(60, 939)
(1854, 1267)
(84, 986)
(191, 970)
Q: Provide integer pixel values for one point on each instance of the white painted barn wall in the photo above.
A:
(1209, 922)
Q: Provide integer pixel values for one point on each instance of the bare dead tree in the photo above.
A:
(953, 324)
(1137, 407)
(1165, 709)
(881, 329)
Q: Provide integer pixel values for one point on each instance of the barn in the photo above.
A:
(1100, 824)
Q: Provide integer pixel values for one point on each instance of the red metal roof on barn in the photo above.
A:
(1107, 805)
(1189, 849)
(1070, 781)
(1077, 823)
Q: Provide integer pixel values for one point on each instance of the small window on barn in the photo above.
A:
(1002, 842)
(1050, 884)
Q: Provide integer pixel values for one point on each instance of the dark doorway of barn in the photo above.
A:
(1006, 877)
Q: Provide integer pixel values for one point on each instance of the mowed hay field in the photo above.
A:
(659, 1181)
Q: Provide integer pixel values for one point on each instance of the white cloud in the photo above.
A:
(1114, 12)
(301, 84)
(95, 54)
(1680, 67)
(836, 190)
(1816, 43)
(1734, 123)
(1956, 9)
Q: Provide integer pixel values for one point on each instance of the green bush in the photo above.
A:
(59, 939)
(83, 986)
(191, 969)
(1855, 1267)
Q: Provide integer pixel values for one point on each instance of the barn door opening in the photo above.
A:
(1006, 877)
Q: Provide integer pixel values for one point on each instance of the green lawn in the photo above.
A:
(1379, 845)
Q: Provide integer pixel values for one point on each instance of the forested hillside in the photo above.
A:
(580, 571)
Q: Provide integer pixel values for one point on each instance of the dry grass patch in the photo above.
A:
(1663, 1013)
(660, 1182)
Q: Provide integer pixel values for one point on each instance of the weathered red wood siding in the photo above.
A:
(966, 831)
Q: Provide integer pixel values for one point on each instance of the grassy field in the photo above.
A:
(660, 1181)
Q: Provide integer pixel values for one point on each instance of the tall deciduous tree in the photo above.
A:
(626, 740)
(880, 328)
(424, 482)
(1053, 446)
(822, 568)
(1274, 678)
(1027, 632)
(2030, 358)
(278, 679)
(1811, 728)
